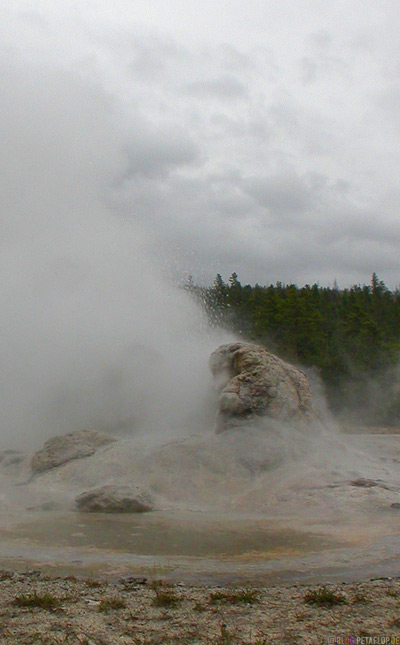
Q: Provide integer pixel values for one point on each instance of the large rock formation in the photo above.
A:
(253, 382)
(115, 499)
(74, 445)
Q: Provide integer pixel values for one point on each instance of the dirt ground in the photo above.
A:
(35, 609)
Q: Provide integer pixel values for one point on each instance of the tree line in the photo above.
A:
(349, 337)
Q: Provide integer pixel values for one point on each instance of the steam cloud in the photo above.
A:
(92, 332)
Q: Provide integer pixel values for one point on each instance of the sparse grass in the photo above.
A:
(165, 596)
(5, 575)
(324, 597)
(359, 597)
(53, 639)
(235, 597)
(112, 603)
(39, 600)
(92, 583)
(291, 637)
(198, 606)
(225, 637)
(393, 593)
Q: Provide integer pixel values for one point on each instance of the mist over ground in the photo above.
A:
(93, 333)
(259, 138)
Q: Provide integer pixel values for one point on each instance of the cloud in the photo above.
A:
(154, 152)
(224, 88)
(283, 195)
(150, 57)
(248, 139)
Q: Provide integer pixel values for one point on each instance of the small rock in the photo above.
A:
(11, 457)
(115, 499)
(132, 581)
(364, 483)
(44, 506)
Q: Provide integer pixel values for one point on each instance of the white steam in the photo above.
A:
(92, 333)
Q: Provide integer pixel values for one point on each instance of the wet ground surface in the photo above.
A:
(170, 534)
(200, 547)
(221, 547)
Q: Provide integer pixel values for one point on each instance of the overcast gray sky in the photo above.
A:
(256, 136)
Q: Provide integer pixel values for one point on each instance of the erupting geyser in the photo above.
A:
(275, 456)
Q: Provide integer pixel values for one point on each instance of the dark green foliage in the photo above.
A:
(350, 337)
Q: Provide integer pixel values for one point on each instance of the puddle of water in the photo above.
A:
(199, 547)
(167, 534)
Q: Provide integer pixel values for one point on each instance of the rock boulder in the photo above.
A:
(74, 445)
(252, 382)
(115, 499)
